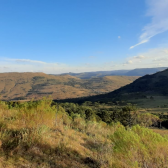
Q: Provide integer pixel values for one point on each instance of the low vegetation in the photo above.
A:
(46, 134)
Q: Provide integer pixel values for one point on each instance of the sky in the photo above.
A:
(61, 36)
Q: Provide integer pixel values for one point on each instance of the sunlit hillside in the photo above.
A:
(36, 134)
(25, 86)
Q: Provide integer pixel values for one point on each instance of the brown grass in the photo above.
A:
(40, 136)
(37, 85)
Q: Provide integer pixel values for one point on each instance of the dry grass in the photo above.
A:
(32, 139)
(37, 85)
(40, 136)
(163, 132)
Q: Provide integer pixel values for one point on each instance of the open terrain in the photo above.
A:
(100, 133)
(25, 86)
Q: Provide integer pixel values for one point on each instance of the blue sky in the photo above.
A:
(60, 36)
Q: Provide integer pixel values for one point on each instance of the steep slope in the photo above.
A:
(156, 84)
(25, 86)
(142, 88)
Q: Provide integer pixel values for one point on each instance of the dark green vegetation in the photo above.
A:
(25, 86)
(134, 72)
(91, 135)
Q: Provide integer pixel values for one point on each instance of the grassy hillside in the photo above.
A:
(36, 134)
(25, 86)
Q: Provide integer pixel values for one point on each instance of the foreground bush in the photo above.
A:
(139, 147)
(37, 134)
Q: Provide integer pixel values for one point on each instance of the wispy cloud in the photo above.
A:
(160, 60)
(27, 60)
(129, 62)
(158, 10)
(140, 57)
(151, 58)
(27, 65)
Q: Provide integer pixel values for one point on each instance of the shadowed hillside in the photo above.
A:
(25, 86)
(144, 90)
(156, 84)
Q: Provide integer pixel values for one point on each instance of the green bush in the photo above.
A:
(138, 147)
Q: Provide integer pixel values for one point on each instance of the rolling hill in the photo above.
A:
(25, 86)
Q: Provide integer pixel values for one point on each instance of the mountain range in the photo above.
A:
(134, 72)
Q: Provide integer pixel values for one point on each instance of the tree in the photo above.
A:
(89, 114)
(129, 114)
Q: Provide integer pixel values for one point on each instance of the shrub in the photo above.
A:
(139, 147)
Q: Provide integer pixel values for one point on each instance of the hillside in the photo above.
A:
(146, 91)
(39, 135)
(134, 72)
(25, 86)
(155, 84)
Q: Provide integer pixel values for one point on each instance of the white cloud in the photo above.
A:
(129, 62)
(119, 37)
(27, 65)
(135, 59)
(151, 58)
(158, 10)
(166, 51)
(160, 60)
(139, 57)
(27, 60)
(144, 41)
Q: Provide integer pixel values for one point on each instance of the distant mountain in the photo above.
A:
(134, 72)
(25, 86)
(87, 75)
(148, 85)
(144, 71)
